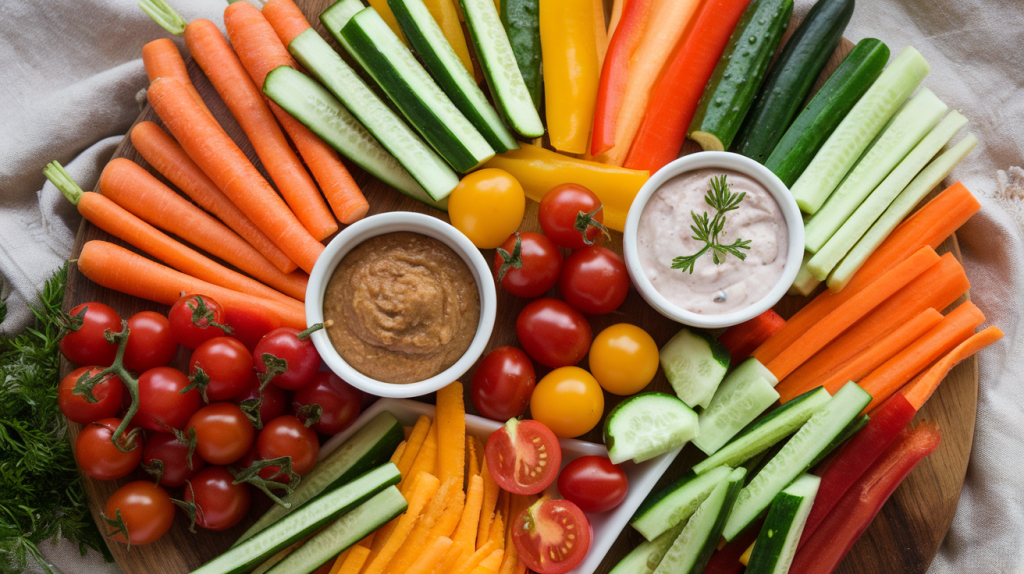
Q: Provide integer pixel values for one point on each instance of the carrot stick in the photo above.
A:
(135, 189)
(451, 433)
(741, 340)
(286, 18)
(465, 534)
(426, 487)
(923, 386)
(353, 563)
(162, 59)
(225, 164)
(472, 460)
(426, 459)
(446, 524)
(470, 561)
(117, 268)
(260, 51)
(339, 561)
(399, 451)
(490, 499)
(414, 544)
(414, 444)
(892, 375)
(497, 532)
(833, 324)
(490, 564)
(434, 552)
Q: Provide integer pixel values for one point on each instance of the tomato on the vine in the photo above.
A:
(196, 318)
(150, 343)
(109, 393)
(502, 383)
(569, 401)
(523, 456)
(527, 264)
(250, 324)
(487, 206)
(167, 457)
(100, 458)
(339, 402)
(273, 402)
(145, 510)
(162, 404)
(226, 367)
(571, 215)
(623, 359)
(302, 358)
(223, 433)
(552, 536)
(593, 483)
(220, 503)
(553, 333)
(83, 342)
(594, 280)
(287, 436)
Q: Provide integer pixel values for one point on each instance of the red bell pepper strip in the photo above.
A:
(615, 73)
(858, 507)
(742, 339)
(727, 559)
(677, 93)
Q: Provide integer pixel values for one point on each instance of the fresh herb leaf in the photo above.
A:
(707, 229)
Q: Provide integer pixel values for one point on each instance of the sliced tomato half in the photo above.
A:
(552, 536)
(523, 457)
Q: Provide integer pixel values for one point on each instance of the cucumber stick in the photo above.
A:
(779, 538)
(853, 135)
(676, 502)
(904, 132)
(647, 425)
(826, 109)
(644, 559)
(843, 240)
(444, 64)
(317, 57)
(501, 68)
(796, 456)
(734, 83)
(694, 364)
(745, 393)
(805, 282)
(904, 203)
(521, 20)
(792, 77)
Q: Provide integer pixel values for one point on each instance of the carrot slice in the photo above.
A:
(414, 544)
(490, 499)
(162, 59)
(354, 562)
(425, 488)
(451, 433)
(923, 386)
(427, 561)
(426, 459)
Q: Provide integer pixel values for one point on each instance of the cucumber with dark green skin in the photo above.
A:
(521, 20)
(792, 77)
(733, 85)
(826, 109)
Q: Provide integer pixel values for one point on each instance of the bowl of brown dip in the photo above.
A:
(713, 239)
(407, 302)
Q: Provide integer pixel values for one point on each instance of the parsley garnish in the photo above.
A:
(708, 229)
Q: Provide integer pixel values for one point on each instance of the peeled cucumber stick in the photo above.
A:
(826, 259)
(805, 282)
(925, 181)
(904, 132)
(868, 116)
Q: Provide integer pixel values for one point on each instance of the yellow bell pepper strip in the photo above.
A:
(382, 8)
(615, 74)
(446, 14)
(538, 170)
(571, 71)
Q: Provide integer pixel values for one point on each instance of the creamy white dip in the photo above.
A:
(664, 233)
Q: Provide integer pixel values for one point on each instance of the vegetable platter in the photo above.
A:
(907, 532)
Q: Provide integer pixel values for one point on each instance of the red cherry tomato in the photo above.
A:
(250, 324)
(287, 436)
(161, 402)
(275, 400)
(552, 536)
(77, 409)
(301, 356)
(196, 318)
(223, 434)
(97, 455)
(167, 457)
(532, 271)
(220, 504)
(553, 333)
(566, 210)
(523, 456)
(594, 280)
(146, 510)
(593, 483)
(86, 344)
(339, 402)
(228, 365)
(150, 343)
(502, 384)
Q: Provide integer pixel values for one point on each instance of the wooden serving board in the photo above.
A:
(904, 537)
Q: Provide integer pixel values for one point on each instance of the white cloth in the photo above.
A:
(69, 80)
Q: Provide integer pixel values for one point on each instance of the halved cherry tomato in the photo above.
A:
(287, 436)
(553, 333)
(166, 456)
(220, 503)
(593, 483)
(109, 392)
(84, 343)
(487, 206)
(150, 343)
(569, 401)
(223, 434)
(226, 363)
(146, 511)
(97, 455)
(594, 280)
(301, 356)
(623, 359)
(566, 211)
(161, 402)
(502, 383)
(523, 456)
(527, 264)
(552, 536)
(196, 318)
(339, 402)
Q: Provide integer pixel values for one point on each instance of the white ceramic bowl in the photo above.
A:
(722, 160)
(381, 224)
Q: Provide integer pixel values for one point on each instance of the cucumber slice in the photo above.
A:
(691, 551)
(320, 60)
(774, 427)
(777, 542)
(805, 282)
(796, 456)
(745, 393)
(695, 364)
(521, 20)
(644, 559)
(501, 68)
(646, 425)
(676, 502)
(848, 432)
(439, 57)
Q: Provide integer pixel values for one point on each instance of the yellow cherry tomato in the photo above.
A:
(568, 401)
(487, 206)
(623, 359)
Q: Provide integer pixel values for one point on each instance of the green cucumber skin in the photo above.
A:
(826, 109)
(792, 77)
(777, 542)
(631, 404)
(738, 74)
(644, 559)
(521, 20)
(664, 503)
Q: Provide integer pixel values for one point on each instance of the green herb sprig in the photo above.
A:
(707, 229)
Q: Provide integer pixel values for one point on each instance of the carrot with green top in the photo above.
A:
(162, 59)
(923, 386)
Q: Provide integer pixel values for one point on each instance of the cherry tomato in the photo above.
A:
(84, 342)
(303, 361)
(593, 483)
(196, 318)
(569, 401)
(553, 333)
(97, 455)
(533, 270)
(161, 402)
(146, 511)
(109, 392)
(623, 359)
(502, 384)
(339, 402)
(487, 206)
(167, 457)
(523, 456)
(150, 343)
(223, 434)
(275, 400)
(287, 436)
(228, 365)
(250, 324)
(552, 536)
(220, 504)
(594, 280)
(566, 210)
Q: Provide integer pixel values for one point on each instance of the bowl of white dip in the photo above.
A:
(659, 234)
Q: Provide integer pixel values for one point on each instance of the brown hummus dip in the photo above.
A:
(404, 307)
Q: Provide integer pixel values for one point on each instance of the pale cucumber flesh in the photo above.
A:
(676, 502)
(745, 393)
(694, 364)
(647, 425)
(644, 559)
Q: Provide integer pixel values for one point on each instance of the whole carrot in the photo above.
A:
(162, 60)
(286, 18)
